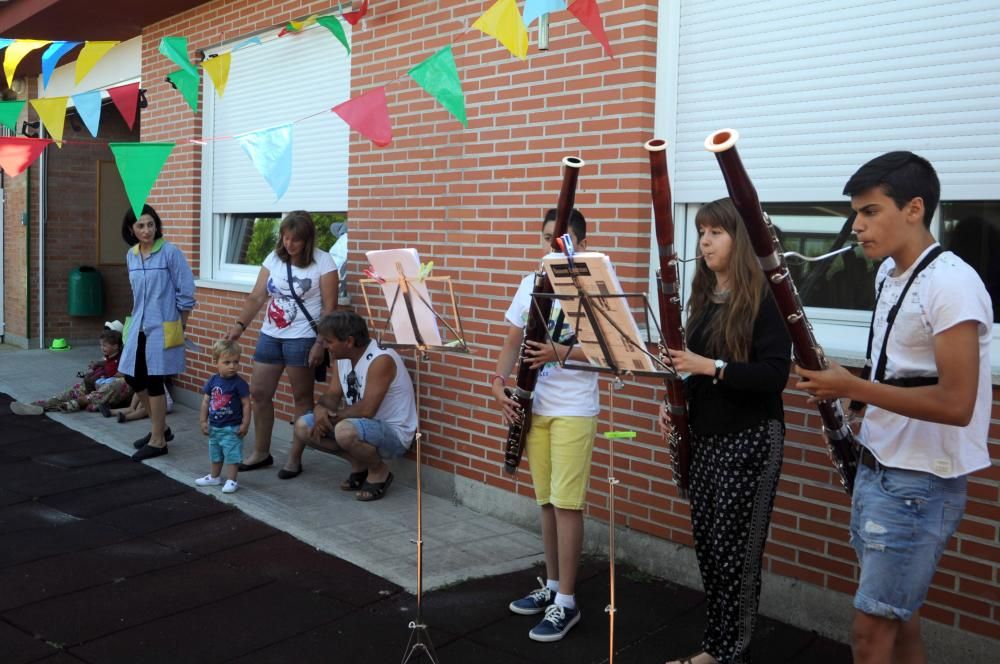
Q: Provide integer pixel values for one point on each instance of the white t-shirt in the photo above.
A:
(947, 292)
(559, 391)
(284, 318)
(398, 408)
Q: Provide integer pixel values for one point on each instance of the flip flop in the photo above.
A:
(375, 490)
(354, 481)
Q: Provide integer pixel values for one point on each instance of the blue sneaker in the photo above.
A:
(534, 602)
(557, 621)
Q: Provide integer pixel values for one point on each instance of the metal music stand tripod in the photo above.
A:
(412, 337)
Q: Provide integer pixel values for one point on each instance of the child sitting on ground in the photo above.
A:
(225, 416)
(135, 410)
(101, 384)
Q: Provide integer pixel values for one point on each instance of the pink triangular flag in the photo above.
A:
(355, 16)
(126, 99)
(17, 153)
(368, 115)
(586, 12)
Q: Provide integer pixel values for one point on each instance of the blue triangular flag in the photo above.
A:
(88, 105)
(4, 42)
(270, 150)
(51, 57)
(535, 8)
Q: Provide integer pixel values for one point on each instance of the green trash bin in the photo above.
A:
(86, 294)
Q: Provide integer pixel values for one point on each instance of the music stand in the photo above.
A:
(589, 292)
(415, 328)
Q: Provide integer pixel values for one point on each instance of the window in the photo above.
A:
(971, 229)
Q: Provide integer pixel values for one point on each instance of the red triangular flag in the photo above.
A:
(126, 99)
(17, 153)
(355, 16)
(586, 12)
(368, 115)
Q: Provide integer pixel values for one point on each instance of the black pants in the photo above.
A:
(734, 477)
(141, 380)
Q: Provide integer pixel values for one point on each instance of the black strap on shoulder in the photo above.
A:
(302, 306)
(866, 372)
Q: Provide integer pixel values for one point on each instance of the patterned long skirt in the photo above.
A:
(734, 477)
(114, 393)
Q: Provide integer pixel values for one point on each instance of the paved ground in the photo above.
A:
(106, 560)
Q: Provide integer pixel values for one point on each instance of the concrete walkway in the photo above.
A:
(378, 536)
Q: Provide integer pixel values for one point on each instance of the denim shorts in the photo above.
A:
(225, 445)
(376, 433)
(901, 521)
(290, 352)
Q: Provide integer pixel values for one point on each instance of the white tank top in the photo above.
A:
(398, 408)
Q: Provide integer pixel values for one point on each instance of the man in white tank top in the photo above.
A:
(368, 414)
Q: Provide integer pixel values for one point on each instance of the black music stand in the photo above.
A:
(411, 337)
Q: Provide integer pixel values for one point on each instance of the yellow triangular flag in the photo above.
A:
(92, 52)
(16, 52)
(52, 111)
(217, 69)
(503, 21)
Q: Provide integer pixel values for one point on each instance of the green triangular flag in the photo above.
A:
(332, 23)
(439, 77)
(188, 85)
(176, 48)
(140, 164)
(10, 111)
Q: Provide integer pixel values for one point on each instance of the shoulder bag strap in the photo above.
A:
(298, 300)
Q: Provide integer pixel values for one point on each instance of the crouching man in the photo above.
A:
(368, 414)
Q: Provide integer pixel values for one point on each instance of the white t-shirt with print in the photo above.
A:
(947, 292)
(559, 391)
(283, 318)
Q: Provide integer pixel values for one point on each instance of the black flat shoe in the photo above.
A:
(289, 474)
(168, 436)
(264, 463)
(149, 452)
(104, 410)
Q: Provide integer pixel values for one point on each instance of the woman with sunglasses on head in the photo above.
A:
(738, 358)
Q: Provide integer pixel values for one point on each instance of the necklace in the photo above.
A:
(720, 296)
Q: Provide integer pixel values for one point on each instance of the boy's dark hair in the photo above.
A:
(300, 224)
(344, 324)
(902, 177)
(113, 337)
(577, 224)
(130, 219)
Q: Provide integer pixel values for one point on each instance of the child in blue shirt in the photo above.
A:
(225, 416)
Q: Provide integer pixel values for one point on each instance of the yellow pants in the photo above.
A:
(559, 449)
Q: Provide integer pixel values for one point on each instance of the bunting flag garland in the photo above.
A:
(297, 26)
(16, 52)
(139, 165)
(18, 152)
(10, 111)
(52, 112)
(51, 57)
(438, 75)
(355, 16)
(248, 42)
(270, 150)
(126, 100)
(332, 23)
(368, 115)
(535, 8)
(88, 105)
(503, 21)
(92, 52)
(586, 12)
(217, 68)
(4, 43)
(187, 84)
(176, 48)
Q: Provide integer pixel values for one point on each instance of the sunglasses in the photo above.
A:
(352, 387)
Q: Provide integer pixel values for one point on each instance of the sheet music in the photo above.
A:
(384, 261)
(595, 276)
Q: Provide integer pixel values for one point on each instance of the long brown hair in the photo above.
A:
(729, 333)
(300, 224)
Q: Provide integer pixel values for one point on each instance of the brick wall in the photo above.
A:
(471, 201)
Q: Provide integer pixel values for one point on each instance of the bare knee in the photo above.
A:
(872, 637)
(261, 395)
(302, 430)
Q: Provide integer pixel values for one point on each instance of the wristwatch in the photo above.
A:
(719, 366)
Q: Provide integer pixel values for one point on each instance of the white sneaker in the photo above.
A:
(230, 487)
(208, 480)
(22, 408)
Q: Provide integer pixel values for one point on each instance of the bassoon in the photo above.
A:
(536, 327)
(679, 439)
(808, 353)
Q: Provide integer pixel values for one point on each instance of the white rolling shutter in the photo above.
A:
(273, 83)
(818, 88)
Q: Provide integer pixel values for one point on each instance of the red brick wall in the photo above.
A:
(471, 201)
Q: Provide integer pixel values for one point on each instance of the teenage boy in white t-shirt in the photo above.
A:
(559, 445)
(926, 425)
